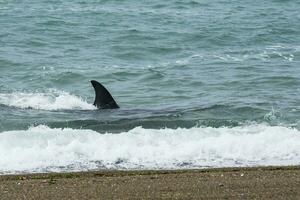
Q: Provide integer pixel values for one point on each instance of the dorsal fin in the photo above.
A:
(103, 98)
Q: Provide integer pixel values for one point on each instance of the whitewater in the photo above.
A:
(43, 149)
(49, 100)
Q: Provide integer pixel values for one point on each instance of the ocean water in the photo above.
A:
(200, 84)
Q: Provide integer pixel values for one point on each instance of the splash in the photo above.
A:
(42, 149)
(51, 100)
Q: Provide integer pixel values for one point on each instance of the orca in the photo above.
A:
(103, 99)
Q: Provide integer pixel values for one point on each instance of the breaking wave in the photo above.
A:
(51, 100)
(43, 149)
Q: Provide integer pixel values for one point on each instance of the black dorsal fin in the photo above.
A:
(103, 98)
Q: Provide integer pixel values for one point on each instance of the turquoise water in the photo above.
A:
(176, 64)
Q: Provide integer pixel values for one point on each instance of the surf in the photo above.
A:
(51, 99)
(45, 149)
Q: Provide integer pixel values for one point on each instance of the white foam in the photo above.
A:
(51, 100)
(41, 148)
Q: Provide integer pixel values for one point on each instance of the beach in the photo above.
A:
(221, 183)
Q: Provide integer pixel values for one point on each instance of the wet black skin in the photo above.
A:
(103, 99)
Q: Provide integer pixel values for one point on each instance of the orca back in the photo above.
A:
(103, 99)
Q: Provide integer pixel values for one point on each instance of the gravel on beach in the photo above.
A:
(224, 183)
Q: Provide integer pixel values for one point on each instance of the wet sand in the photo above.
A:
(225, 183)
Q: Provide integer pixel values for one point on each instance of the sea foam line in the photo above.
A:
(41, 148)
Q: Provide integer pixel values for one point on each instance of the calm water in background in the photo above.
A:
(179, 70)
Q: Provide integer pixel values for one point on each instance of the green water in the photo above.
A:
(167, 64)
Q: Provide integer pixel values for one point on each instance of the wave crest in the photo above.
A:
(51, 100)
(41, 149)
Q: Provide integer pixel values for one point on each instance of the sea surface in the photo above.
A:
(200, 84)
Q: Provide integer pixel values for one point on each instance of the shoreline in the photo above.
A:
(120, 173)
(238, 183)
